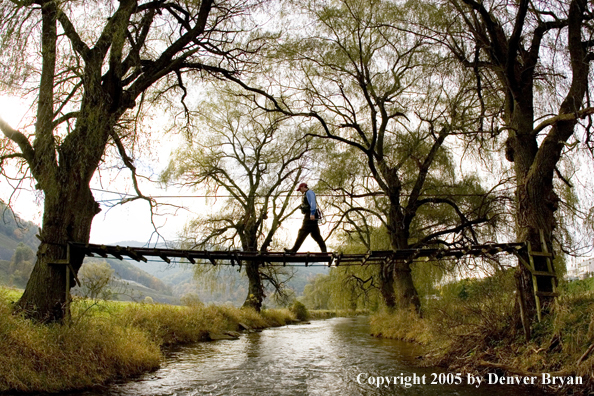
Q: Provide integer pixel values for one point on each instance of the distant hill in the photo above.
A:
(132, 283)
(163, 282)
(233, 285)
(15, 230)
(127, 271)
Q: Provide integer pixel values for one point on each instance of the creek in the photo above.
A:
(327, 357)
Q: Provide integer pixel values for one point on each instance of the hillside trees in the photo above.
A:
(255, 157)
(370, 86)
(90, 65)
(21, 265)
(534, 57)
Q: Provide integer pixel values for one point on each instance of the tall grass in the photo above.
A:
(474, 327)
(470, 309)
(106, 341)
(55, 357)
(342, 313)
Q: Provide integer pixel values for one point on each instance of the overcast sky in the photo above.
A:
(131, 221)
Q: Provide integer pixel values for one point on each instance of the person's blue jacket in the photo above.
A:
(311, 199)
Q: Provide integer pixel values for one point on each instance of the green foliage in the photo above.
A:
(191, 300)
(21, 265)
(344, 288)
(16, 272)
(316, 294)
(576, 287)
(300, 311)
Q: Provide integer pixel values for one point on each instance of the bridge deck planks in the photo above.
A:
(308, 258)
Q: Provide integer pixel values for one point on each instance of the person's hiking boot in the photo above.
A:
(289, 251)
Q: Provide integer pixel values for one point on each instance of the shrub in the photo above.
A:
(191, 299)
(299, 310)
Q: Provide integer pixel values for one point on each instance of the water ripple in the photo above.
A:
(323, 358)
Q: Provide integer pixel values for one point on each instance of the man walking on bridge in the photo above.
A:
(310, 221)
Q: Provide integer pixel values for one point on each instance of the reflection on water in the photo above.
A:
(323, 358)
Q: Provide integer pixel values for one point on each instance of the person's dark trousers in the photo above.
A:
(309, 227)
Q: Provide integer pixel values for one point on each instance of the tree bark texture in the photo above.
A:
(67, 217)
(248, 232)
(255, 288)
(405, 295)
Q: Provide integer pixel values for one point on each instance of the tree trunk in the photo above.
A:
(67, 217)
(387, 285)
(534, 166)
(249, 243)
(404, 293)
(536, 205)
(255, 290)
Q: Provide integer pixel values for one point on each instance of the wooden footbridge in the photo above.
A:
(541, 277)
(237, 257)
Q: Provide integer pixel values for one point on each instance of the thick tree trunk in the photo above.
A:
(407, 295)
(67, 217)
(255, 289)
(535, 219)
(404, 293)
(249, 242)
(536, 206)
(386, 281)
(536, 203)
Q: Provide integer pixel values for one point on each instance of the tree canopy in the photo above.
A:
(257, 159)
(92, 68)
(394, 96)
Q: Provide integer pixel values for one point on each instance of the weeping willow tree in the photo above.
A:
(385, 97)
(534, 58)
(256, 159)
(451, 209)
(441, 207)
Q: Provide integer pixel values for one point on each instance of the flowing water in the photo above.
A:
(327, 357)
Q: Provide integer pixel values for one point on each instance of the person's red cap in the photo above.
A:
(302, 185)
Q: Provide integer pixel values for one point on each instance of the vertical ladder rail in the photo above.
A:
(550, 267)
(549, 273)
(534, 282)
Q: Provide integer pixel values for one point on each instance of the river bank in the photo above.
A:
(476, 333)
(106, 341)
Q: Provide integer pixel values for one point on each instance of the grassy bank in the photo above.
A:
(342, 313)
(472, 329)
(108, 340)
